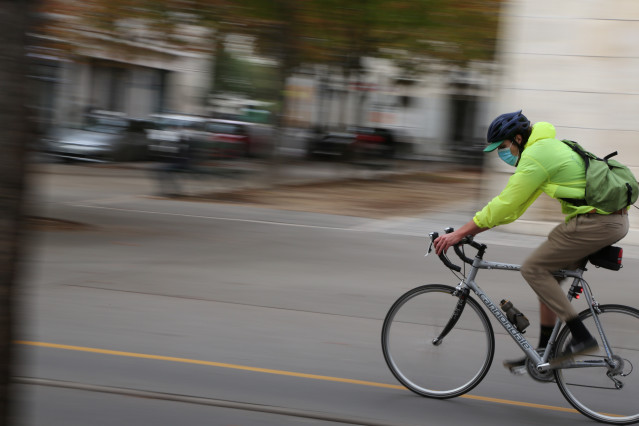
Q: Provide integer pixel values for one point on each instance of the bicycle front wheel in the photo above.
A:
(447, 368)
(609, 394)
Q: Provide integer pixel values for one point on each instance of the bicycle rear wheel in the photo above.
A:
(445, 370)
(590, 390)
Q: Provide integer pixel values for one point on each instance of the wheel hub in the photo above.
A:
(615, 366)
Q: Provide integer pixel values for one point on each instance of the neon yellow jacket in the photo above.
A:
(546, 165)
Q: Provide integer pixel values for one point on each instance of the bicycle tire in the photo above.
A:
(450, 368)
(589, 390)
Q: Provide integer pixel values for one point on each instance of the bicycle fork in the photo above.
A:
(462, 296)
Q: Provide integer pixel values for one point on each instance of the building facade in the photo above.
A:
(443, 113)
(130, 73)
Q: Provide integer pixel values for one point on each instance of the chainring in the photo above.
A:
(540, 376)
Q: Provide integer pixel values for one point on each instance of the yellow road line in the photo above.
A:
(277, 372)
(519, 403)
(207, 363)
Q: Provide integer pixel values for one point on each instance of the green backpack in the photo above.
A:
(610, 186)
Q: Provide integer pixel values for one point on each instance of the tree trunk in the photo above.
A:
(13, 141)
(285, 56)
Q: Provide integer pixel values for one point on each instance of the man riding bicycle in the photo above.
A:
(545, 164)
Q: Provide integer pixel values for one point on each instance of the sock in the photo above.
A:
(544, 335)
(578, 329)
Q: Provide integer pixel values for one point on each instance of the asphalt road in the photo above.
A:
(163, 312)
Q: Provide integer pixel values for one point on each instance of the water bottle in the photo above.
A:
(515, 317)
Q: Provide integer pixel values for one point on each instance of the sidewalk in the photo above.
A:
(249, 173)
(255, 174)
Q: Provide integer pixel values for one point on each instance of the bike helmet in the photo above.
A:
(505, 127)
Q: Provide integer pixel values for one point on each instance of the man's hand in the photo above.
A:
(444, 242)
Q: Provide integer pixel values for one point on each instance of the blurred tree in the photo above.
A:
(238, 75)
(330, 32)
(341, 34)
(14, 137)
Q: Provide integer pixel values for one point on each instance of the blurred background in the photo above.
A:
(358, 83)
(172, 100)
(415, 77)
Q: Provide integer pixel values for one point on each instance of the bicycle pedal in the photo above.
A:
(518, 371)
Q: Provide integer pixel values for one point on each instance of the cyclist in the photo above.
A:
(545, 164)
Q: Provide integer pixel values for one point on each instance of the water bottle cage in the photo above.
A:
(520, 321)
(515, 317)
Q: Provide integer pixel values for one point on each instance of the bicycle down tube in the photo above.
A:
(494, 309)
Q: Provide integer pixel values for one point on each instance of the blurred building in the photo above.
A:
(574, 64)
(132, 70)
(443, 113)
(136, 70)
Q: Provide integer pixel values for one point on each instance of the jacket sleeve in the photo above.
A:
(523, 188)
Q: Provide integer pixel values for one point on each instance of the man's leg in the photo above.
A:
(546, 316)
(566, 246)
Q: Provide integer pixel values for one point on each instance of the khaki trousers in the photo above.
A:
(567, 247)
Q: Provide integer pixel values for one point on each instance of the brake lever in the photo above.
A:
(433, 236)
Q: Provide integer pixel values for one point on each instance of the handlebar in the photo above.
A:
(467, 240)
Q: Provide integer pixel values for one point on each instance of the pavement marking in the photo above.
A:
(207, 363)
(231, 219)
(116, 199)
(380, 226)
(394, 226)
(276, 372)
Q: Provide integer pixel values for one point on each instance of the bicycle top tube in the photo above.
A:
(479, 263)
(562, 273)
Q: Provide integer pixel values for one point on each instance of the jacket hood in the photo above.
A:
(541, 130)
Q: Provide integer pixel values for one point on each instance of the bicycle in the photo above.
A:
(438, 342)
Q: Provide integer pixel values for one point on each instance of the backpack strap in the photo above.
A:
(579, 150)
(577, 202)
(612, 154)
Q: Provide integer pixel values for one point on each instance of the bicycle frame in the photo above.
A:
(541, 361)
(416, 325)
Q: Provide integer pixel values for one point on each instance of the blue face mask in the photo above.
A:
(507, 156)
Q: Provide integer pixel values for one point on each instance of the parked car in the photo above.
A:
(231, 139)
(357, 143)
(169, 131)
(105, 136)
(209, 138)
